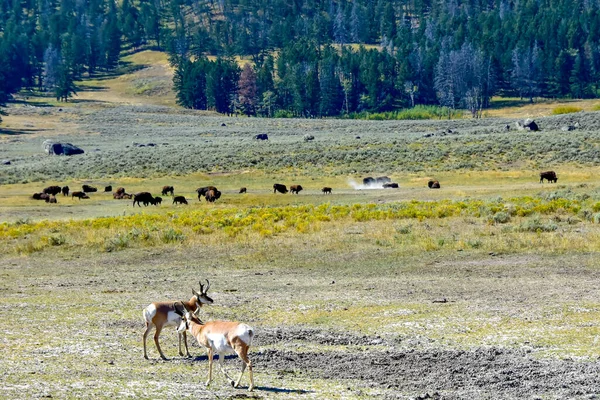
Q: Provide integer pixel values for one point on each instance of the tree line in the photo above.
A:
(455, 53)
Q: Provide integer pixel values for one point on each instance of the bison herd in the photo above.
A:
(211, 193)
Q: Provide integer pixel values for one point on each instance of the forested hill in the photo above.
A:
(456, 53)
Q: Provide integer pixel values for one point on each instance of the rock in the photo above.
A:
(357, 137)
(223, 124)
(568, 128)
(529, 123)
(5, 162)
(308, 137)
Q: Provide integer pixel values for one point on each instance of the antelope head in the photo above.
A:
(202, 297)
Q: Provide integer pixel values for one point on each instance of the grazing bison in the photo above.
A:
(433, 184)
(295, 189)
(382, 179)
(369, 181)
(53, 190)
(391, 185)
(550, 176)
(120, 190)
(41, 196)
(212, 195)
(65, 190)
(108, 188)
(243, 190)
(80, 195)
(167, 189)
(143, 197)
(179, 199)
(88, 189)
(326, 190)
(120, 196)
(157, 200)
(203, 190)
(261, 136)
(278, 187)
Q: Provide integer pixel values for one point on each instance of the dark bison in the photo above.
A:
(167, 189)
(120, 196)
(157, 200)
(53, 190)
(120, 190)
(295, 189)
(391, 185)
(382, 179)
(243, 190)
(65, 190)
(108, 188)
(550, 176)
(179, 199)
(80, 195)
(143, 197)
(326, 190)
(89, 189)
(203, 190)
(433, 184)
(261, 136)
(369, 181)
(278, 187)
(212, 195)
(41, 196)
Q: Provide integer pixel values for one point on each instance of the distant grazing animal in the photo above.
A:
(65, 190)
(203, 190)
(52, 199)
(369, 181)
(161, 314)
(382, 179)
(157, 200)
(212, 195)
(243, 190)
(120, 190)
(179, 199)
(550, 176)
(53, 190)
(278, 187)
(108, 188)
(326, 190)
(143, 197)
(167, 189)
(433, 184)
(261, 136)
(220, 337)
(392, 185)
(80, 195)
(89, 189)
(41, 196)
(295, 188)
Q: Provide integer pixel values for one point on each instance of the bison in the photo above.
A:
(212, 195)
(326, 190)
(52, 190)
(203, 190)
(40, 196)
(65, 190)
(143, 197)
(550, 176)
(120, 190)
(168, 189)
(179, 199)
(369, 181)
(432, 184)
(157, 200)
(382, 179)
(295, 189)
(88, 189)
(261, 136)
(391, 185)
(278, 187)
(120, 196)
(80, 195)
(243, 190)
(108, 188)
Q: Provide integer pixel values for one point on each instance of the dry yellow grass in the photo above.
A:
(516, 108)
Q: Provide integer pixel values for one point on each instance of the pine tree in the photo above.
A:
(247, 92)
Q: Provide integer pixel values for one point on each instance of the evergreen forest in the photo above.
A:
(312, 58)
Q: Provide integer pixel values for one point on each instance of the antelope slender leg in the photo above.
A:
(210, 363)
(148, 328)
(156, 335)
(246, 362)
(187, 351)
(222, 366)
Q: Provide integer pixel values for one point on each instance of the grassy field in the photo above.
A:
(486, 288)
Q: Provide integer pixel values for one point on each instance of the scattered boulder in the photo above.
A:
(527, 125)
(308, 138)
(55, 148)
(261, 136)
(5, 162)
(568, 128)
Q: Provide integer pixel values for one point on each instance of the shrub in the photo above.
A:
(172, 236)
(566, 110)
(501, 217)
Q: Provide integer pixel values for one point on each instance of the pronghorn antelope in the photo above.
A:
(220, 337)
(161, 314)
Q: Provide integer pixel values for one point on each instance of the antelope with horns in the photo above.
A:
(220, 337)
(161, 314)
